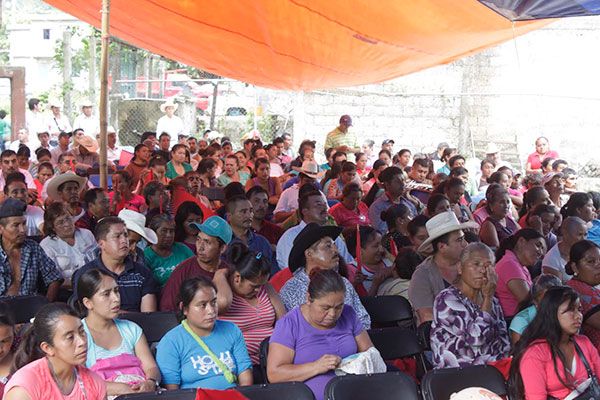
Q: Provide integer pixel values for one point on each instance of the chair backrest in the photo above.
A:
(424, 334)
(153, 324)
(387, 311)
(390, 385)
(181, 394)
(263, 354)
(24, 307)
(395, 343)
(439, 384)
(277, 391)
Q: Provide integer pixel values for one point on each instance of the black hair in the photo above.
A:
(7, 153)
(392, 213)
(348, 166)
(384, 151)
(185, 209)
(529, 198)
(278, 140)
(53, 211)
(303, 200)
(577, 253)
(230, 204)
(249, 264)
(260, 161)
(545, 327)
(162, 135)
(46, 165)
(376, 165)
(371, 195)
(389, 173)
(458, 171)
(205, 164)
(483, 162)
(233, 189)
(351, 188)
(104, 225)
(421, 162)
(339, 154)
(332, 173)
(255, 190)
(435, 243)
(510, 242)
(23, 151)
(42, 330)
(557, 162)
(158, 220)
(188, 290)
(366, 234)
(496, 177)
(151, 188)
(595, 199)
(452, 183)
(547, 161)
(32, 103)
(87, 286)
(575, 202)
(541, 209)
(125, 176)
(454, 159)
(41, 152)
(406, 262)
(446, 153)
(357, 156)
(13, 177)
(417, 222)
(323, 282)
(137, 148)
(156, 161)
(569, 171)
(434, 200)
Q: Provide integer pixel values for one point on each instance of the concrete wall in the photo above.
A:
(543, 83)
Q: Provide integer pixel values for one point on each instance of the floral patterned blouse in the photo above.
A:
(462, 334)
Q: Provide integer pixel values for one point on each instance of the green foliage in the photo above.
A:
(4, 45)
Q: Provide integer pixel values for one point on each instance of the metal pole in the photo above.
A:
(104, 93)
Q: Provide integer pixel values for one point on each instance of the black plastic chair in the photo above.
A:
(389, 311)
(424, 334)
(277, 391)
(263, 354)
(439, 384)
(24, 308)
(394, 343)
(153, 324)
(391, 385)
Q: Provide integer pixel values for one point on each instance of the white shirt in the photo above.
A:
(276, 170)
(173, 126)
(113, 155)
(34, 218)
(69, 258)
(36, 123)
(286, 242)
(90, 125)
(288, 201)
(28, 179)
(554, 260)
(57, 124)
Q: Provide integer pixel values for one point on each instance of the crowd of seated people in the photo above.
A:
(264, 245)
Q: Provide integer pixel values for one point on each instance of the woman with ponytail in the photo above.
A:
(255, 305)
(49, 364)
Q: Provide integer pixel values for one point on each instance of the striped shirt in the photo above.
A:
(337, 138)
(256, 323)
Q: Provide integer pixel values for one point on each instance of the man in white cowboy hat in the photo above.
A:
(288, 201)
(67, 188)
(113, 151)
(56, 121)
(87, 121)
(445, 243)
(492, 154)
(170, 123)
(136, 231)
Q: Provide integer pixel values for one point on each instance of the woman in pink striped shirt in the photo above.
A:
(255, 305)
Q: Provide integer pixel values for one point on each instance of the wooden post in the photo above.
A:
(67, 68)
(104, 93)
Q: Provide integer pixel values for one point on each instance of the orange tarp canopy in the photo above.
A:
(304, 44)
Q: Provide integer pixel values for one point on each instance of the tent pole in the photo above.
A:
(104, 93)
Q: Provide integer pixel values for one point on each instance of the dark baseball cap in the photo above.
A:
(346, 119)
(387, 141)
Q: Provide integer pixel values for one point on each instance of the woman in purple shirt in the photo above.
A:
(309, 342)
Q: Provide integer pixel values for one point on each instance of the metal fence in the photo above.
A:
(232, 108)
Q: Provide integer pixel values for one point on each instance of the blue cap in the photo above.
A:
(215, 226)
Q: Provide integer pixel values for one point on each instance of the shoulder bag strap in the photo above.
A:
(231, 378)
(584, 360)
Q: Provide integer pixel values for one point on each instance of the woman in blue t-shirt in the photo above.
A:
(117, 349)
(203, 351)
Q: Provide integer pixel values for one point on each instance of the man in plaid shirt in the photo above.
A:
(23, 263)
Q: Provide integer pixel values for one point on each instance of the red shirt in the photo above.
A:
(185, 270)
(272, 232)
(535, 159)
(280, 278)
(350, 218)
(590, 299)
(136, 203)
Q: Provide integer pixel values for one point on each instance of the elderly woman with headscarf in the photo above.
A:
(468, 325)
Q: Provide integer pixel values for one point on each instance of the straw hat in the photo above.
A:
(309, 168)
(86, 103)
(168, 103)
(440, 225)
(89, 143)
(57, 180)
(134, 221)
(492, 148)
(55, 103)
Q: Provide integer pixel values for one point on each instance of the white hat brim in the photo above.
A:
(425, 247)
